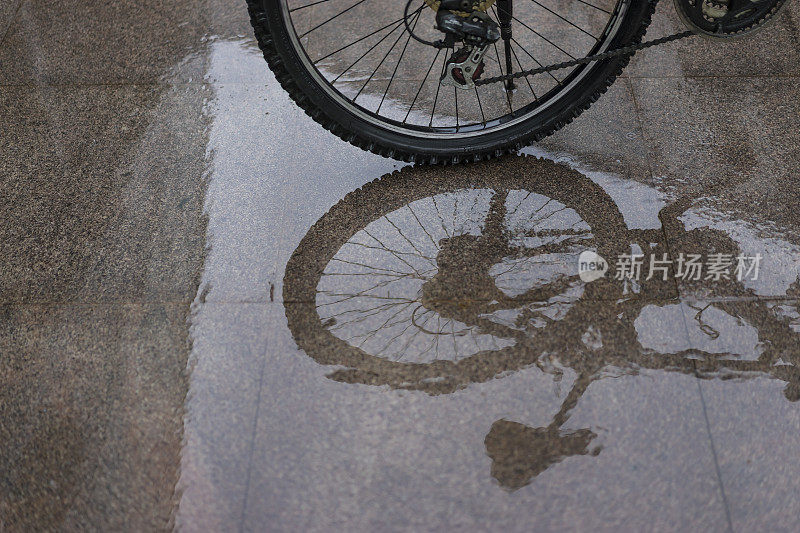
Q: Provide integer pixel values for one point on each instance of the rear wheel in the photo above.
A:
(353, 66)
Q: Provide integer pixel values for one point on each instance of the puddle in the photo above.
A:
(446, 347)
(373, 344)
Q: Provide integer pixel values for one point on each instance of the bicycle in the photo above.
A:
(443, 81)
(428, 280)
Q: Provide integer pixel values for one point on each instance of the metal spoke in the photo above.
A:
(535, 98)
(436, 98)
(500, 66)
(330, 19)
(390, 250)
(455, 94)
(534, 59)
(483, 117)
(400, 20)
(382, 325)
(441, 219)
(391, 341)
(438, 51)
(364, 292)
(544, 38)
(397, 66)
(371, 48)
(402, 351)
(380, 64)
(377, 269)
(307, 5)
(423, 227)
(565, 20)
(594, 6)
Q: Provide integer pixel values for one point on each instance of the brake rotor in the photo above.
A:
(723, 19)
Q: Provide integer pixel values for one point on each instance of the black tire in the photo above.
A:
(275, 41)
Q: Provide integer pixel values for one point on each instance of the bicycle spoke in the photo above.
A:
(409, 241)
(387, 250)
(500, 66)
(594, 6)
(514, 211)
(382, 325)
(348, 297)
(438, 51)
(534, 59)
(367, 36)
(379, 65)
(441, 219)
(565, 20)
(368, 266)
(366, 313)
(365, 292)
(359, 320)
(543, 37)
(455, 94)
(480, 107)
(332, 18)
(527, 78)
(438, 86)
(414, 336)
(307, 5)
(423, 227)
(453, 332)
(391, 341)
(397, 66)
(371, 48)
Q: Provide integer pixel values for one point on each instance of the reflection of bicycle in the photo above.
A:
(428, 280)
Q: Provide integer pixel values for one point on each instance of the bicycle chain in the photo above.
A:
(624, 51)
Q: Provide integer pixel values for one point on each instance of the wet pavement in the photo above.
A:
(214, 315)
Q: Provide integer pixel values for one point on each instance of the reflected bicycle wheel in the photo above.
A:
(428, 280)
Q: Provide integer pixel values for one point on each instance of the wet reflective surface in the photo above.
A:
(215, 315)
